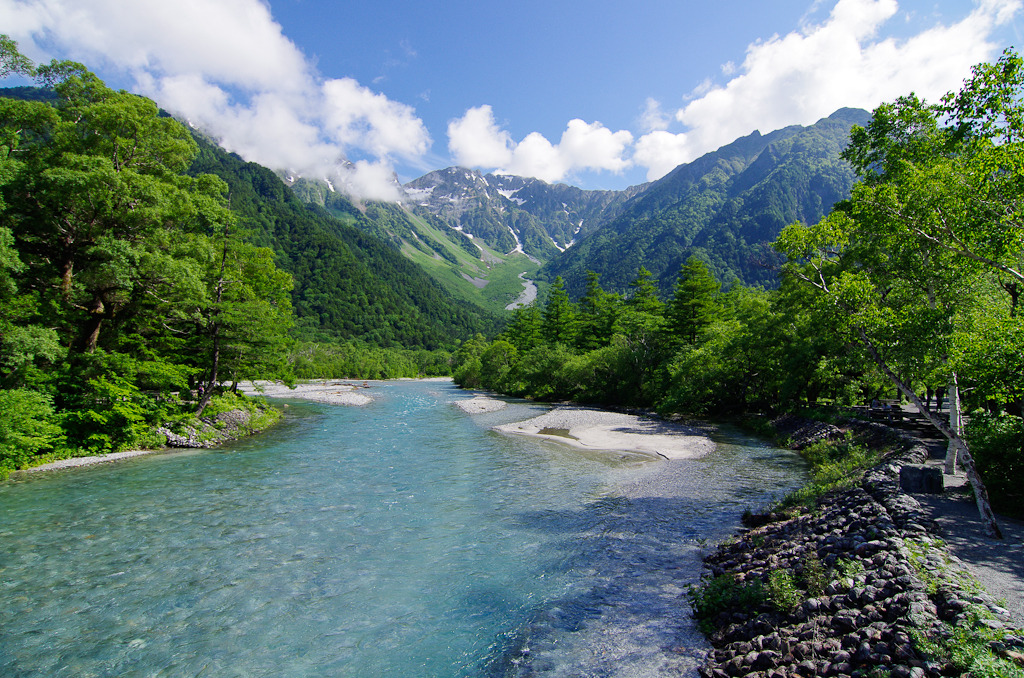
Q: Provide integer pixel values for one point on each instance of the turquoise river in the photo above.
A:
(403, 538)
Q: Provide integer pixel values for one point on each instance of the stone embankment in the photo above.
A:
(212, 431)
(869, 582)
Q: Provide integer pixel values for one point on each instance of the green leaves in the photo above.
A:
(114, 267)
(27, 427)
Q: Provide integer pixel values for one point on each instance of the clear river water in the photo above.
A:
(403, 538)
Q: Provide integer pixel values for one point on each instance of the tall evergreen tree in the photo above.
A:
(559, 315)
(598, 311)
(693, 303)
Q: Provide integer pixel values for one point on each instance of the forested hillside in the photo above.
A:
(349, 284)
(725, 208)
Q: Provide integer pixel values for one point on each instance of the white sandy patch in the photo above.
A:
(326, 391)
(601, 430)
(480, 404)
(74, 462)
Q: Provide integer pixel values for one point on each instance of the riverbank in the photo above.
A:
(195, 433)
(328, 391)
(861, 583)
(593, 429)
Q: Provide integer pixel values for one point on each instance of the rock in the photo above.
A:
(766, 659)
(844, 621)
(859, 626)
(921, 479)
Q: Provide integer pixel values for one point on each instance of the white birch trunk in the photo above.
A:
(966, 460)
(955, 425)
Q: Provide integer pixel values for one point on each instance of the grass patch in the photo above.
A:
(967, 648)
(723, 594)
(835, 465)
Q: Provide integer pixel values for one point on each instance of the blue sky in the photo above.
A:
(598, 94)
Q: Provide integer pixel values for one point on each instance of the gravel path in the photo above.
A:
(997, 564)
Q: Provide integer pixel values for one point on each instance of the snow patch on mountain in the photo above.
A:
(511, 195)
(519, 245)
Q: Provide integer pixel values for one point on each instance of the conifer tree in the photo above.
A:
(693, 303)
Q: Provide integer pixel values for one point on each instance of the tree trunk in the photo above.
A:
(955, 425)
(215, 363)
(966, 460)
(215, 332)
(91, 330)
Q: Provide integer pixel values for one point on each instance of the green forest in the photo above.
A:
(143, 273)
(907, 290)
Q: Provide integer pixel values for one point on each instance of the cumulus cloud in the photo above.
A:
(357, 116)
(369, 180)
(805, 75)
(476, 140)
(660, 152)
(653, 118)
(238, 77)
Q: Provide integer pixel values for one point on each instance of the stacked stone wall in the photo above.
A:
(888, 582)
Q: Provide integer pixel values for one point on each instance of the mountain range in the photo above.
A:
(475, 231)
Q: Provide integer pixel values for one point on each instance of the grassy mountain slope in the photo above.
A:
(469, 268)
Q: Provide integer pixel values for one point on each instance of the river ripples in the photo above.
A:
(404, 538)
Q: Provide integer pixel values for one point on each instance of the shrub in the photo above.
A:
(26, 428)
(997, 444)
(814, 575)
(723, 594)
(782, 591)
(111, 416)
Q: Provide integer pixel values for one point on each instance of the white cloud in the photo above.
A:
(476, 140)
(594, 146)
(227, 67)
(805, 75)
(369, 180)
(653, 117)
(661, 152)
(535, 156)
(228, 40)
(357, 116)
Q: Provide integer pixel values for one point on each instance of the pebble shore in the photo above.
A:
(594, 429)
(330, 392)
(901, 581)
